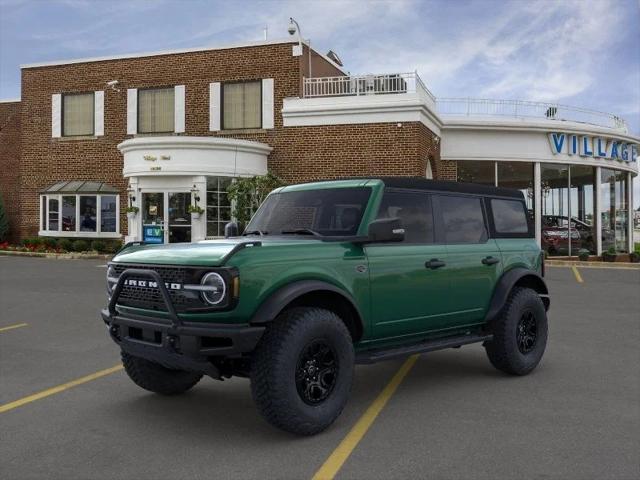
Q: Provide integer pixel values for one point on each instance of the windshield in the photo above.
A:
(324, 212)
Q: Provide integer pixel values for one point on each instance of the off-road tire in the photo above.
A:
(275, 365)
(503, 350)
(156, 378)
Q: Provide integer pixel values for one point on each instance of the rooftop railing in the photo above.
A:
(525, 109)
(356, 85)
(399, 83)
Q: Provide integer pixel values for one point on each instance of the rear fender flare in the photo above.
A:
(510, 279)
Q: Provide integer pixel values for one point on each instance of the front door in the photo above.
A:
(165, 218)
(179, 227)
(409, 288)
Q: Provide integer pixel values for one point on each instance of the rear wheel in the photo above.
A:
(156, 378)
(519, 333)
(302, 370)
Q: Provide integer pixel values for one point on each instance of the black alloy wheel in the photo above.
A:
(316, 372)
(527, 332)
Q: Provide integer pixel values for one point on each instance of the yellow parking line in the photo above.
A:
(11, 327)
(60, 388)
(334, 463)
(576, 273)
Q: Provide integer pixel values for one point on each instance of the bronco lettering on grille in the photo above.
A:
(150, 284)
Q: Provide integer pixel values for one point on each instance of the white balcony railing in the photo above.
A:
(356, 85)
(526, 109)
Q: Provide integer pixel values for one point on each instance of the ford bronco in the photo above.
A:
(327, 275)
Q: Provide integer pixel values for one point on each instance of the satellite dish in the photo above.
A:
(334, 57)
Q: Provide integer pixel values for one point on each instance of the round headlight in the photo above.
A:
(214, 288)
(112, 278)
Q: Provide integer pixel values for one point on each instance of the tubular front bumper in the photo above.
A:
(171, 341)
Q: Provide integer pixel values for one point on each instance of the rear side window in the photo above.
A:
(509, 216)
(413, 210)
(462, 219)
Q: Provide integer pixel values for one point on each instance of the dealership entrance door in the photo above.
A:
(165, 218)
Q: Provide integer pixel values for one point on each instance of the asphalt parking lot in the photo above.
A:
(453, 416)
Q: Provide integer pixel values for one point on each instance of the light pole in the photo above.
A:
(293, 28)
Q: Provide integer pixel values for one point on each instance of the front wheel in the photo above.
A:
(302, 370)
(519, 333)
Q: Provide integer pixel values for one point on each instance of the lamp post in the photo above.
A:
(293, 28)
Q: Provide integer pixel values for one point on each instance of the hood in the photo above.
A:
(209, 253)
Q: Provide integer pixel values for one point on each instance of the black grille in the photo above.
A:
(151, 298)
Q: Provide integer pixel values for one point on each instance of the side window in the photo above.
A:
(509, 216)
(462, 219)
(413, 210)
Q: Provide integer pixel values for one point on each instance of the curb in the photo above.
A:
(605, 265)
(58, 256)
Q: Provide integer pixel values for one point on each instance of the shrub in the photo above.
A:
(65, 244)
(99, 246)
(49, 242)
(32, 241)
(4, 222)
(80, 246)
(583, 254)
(113, 246)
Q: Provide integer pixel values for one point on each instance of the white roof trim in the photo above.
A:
(9, 100)
(165, 52)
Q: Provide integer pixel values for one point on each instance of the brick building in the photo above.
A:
(160, 131)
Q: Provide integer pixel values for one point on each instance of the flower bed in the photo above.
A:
(62, 245)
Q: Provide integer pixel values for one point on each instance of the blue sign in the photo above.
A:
(152, 234)
(588, 146)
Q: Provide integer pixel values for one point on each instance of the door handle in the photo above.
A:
(490, 260)
(434, 263)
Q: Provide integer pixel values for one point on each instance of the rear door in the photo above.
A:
(473, 260)
(407, 296)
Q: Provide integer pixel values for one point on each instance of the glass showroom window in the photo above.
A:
(156, 110)
(519, 175)
(615, 211)
(218, 205)
(242, 105)
(555, 211)
(77, 114)
(80, 215)
(582, 204)
(472, 171)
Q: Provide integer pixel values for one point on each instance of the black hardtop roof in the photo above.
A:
(419, 183)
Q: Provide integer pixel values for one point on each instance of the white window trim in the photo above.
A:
(132, 111)
(268, 109)
(56, 115)
(98, 113)
(78, 233)
(215, 112)
(179, 109)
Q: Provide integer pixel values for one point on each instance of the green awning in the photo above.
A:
(80, 186)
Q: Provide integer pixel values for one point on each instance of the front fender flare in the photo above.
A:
(507, 281)
(282, 297)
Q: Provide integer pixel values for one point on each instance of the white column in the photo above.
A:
(630, 212)
(199, 226)
(134, 230)
(597, 211)
(537, 199)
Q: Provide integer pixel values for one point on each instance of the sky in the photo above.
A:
(576, 52)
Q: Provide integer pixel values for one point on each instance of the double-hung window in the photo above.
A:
(156, 112)
(78, 114)
(242, 105)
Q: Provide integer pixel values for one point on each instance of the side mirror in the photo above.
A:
(231, 230)
(386, 230)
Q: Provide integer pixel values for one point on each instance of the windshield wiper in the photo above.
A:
(254, 232)
(302, 231)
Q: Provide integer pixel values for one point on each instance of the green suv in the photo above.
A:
(327, 275)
